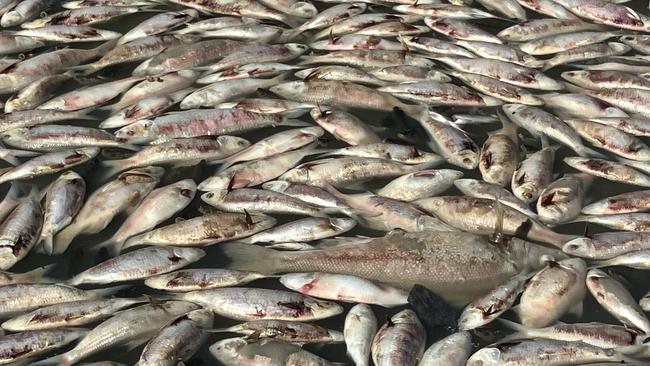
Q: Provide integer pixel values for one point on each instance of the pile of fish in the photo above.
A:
(240, 171)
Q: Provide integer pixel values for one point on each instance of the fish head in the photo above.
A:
(575, 265)
(16, 135)
(322, 309)
(485, 357)
(11, 18)
(296, 48)
(581, 247)
(185, 188)
(289, 90)
(232, 143)
(472, 318)
(466, 185)
(139, 132)
(189, 255)
(303, 9)
(227, 350)
(301, 282)
(213, 197)
(632, 39)
(276, 185)
(199, 98)
(220, 182)
(575, 76)
(467, 159)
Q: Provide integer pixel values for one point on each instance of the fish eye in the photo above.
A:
(130, 133)
(573, 247)
(209, 195)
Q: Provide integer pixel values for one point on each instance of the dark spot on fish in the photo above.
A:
(73, 158)
(487, 159)
(174, 258)
(298, 307)
(186, 193)
(598, 165)
(547, 200)
(13, 353)
(521, 179)
(505, 346)
(523, 230)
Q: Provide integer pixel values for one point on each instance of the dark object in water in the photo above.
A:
(438, 317)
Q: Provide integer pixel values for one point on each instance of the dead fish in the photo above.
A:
(59, 137)
(19, 232)
(20, 346)
(400, 341)
(499, 154)
(533, 174)
(204, 230)
(238, 351)
(460, 29)
(24, 11)
(637, 222)
(607, 245)
(158, 206)
(186, 280)
(480, 189)
(344, 288)
(63, 200)
(637, 201)
(407, 154)
(611, 139)
(258, 200)
(540, 28)
(344, 126)
(157, 24)
(178, 340)
(453, 350)
(576, 105)
(541, 123)
(368, 258)
(561, 200)
(36, 93)
(12, 44)
(303, 230)
(425, 183)
(524, 352)
(310, 194)
(552, 292)
(359, 331)
(244, 303)
(286, 331)
(81, 16)
(617, 300)
(608, 13)
(49, 163)
(603, 79)
(488, 307)
(609, 170)
(69, 314)
(479, 216)
(66, 33)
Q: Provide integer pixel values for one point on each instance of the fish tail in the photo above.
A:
(246, 257)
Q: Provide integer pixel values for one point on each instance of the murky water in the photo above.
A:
(78, 257)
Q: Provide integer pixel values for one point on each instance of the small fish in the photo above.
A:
(603, 79)
(69, 314)
(345, 126)
(161, 204)
(19, 232)
(186, 280)
(20, 346)
(12, 44)
(576, 105)
(499, 154)
(344, 288)
(425, 183)
(636, 222)
(400, 341)
(453, 350)
(309, 194)
(49, 163)
(608, 13)
(204, 230)
(81, 16)
(553, 291)
(178, 340)
(480, 189)
(563, 42)
(610, 170)
(247, 304)
(359, 331)
(66, 33)
(240, 351)
(258, 200)
(91, 96)
(617, 300)
(525, 352)
(303, 230)
(407, 154)
(157, 24)
(491, 305)
(607, 245)
(611, 139)
(36, 93)
(540, 28)
(561, 200)
(460, 29)
(59, 137)
(24, 11)
(636, 201)
(541, 123)
(286, 331)
(63, 200)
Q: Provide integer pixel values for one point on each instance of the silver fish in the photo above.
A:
(64, 199)
(186, 280)
(400, 341)
(359, 331)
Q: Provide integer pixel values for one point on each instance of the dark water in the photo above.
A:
(78, 257)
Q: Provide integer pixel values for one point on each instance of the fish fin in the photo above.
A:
(246, 257)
